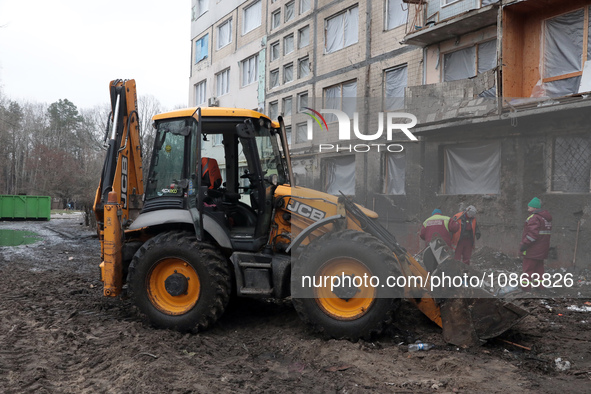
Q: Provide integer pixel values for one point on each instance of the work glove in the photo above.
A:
(522, 247)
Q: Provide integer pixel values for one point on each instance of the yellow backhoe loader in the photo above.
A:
(208, 227)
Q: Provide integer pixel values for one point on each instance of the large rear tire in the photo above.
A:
(346, 312)
(179, 283)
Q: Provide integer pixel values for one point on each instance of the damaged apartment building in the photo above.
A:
(499, 89)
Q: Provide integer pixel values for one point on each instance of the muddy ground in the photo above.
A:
(58, 334)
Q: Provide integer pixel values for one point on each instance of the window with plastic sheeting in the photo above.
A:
(274, 78)
(395, 80)
(225, 33)
(564, 52)
(287, 106)
(342, 97)
(275, 53)
(250, 67)
(395, 173)
(303, 67)
(396, 14)
(570, 159)
(305, 5)
(288, 46)
(273, 110)
(489, 2)
(201, 48)
(289, 11)
(223, 82)
(303, 37)
(301, 132)
(288, 73)
(201, 92)
(302, 173)
(275, 19)
(302, 101)
(252, 17)
(467, 62)
(339, 175)
(473, 168)
(288, 134)
(341, 30)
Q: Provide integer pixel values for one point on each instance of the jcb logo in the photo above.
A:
(305, 210)
(124, 181)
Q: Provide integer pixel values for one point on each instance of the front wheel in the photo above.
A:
(338, 285)
(178, 282)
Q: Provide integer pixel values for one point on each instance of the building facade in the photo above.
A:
(498, 88)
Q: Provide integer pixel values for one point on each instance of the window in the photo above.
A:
(289, 11)
(301, 132)
(288, 44)
(302, 101)
(341, 97)
(274, 78)
(201, 48)
(275, 51)
(275, 19)
(222, 80)
(303, 37)
(565, 52)
(341, 30)
(288, 73)
(218, 139)
(395, 173)
(339, 175)
(273, 110)
(225, 33)
(200, 92)
(202, 7)
(288, 134)
(303, 67)
(570, 160)
(305, 5)
(287, 106)
(250, 70)
(473, 168)
(466, 62)
(252, 17)
(447, 2)
(394, 83)
(396, 14)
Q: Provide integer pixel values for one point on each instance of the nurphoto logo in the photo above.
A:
(394, 122)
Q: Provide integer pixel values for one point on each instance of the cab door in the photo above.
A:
(196, 191)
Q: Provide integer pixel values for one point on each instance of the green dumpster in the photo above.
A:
(25, 207)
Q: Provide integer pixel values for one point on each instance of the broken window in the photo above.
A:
(342, 97)
(564, 53)
(395, 80)
(395, 173)
(467, 62)
(339, 175)
(473, 168)
(341, 30)
(252, 17)
(570, 164)
(396, 14)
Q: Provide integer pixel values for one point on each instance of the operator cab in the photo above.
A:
(236, 154)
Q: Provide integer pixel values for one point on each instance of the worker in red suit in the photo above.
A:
(438, 224)
(465, 232)
(535, 243)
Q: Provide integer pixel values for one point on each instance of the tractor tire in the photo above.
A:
(350, 312)
(179, 283)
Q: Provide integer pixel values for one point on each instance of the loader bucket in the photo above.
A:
(470, 311)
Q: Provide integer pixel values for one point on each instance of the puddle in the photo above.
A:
(18, 237)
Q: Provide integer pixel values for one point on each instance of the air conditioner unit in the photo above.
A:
(213, 102)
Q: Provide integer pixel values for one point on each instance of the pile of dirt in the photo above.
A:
(59, 334)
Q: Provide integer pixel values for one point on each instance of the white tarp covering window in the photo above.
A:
(275, 51)
(487, 56)
(473, 168)
(287, 106)
(276, 19)
(252, 17)
(396, 13)
(289, 11)
(396, 178)
(288, 44)
(274, 78)
(342, 30)
(223, 82)
(273, 110)
(342, 97)
(224, 33)
(302, 101)
(340, 175)
(303, 67)
(301, 132)
(349, 98)
(305, 5)
(288, 73)
(459, 64)
(250, 68)
(395, 83)
(304, 37)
